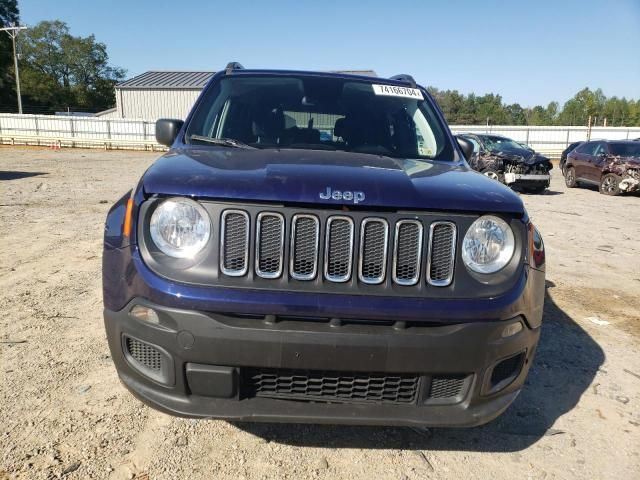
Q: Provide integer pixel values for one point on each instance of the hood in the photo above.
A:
(527, 157)
(326, 177)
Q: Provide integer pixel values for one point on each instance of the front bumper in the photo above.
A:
(205, 357)
(530, 179)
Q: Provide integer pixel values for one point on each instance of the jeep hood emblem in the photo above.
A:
(355, 197)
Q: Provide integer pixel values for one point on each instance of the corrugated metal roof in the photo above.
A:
(159, 79)
(194, 80)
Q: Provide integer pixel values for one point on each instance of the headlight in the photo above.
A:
(180, 227)
(488, 245)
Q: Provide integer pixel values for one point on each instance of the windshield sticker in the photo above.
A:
(394, 91)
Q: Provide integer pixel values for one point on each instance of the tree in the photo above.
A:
(9, 14)
(62, 71)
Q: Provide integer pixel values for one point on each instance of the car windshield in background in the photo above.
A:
(501, 144)
(625, 149)
(319, 113)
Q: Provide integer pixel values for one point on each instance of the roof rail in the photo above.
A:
(231, 66)
(403, 77)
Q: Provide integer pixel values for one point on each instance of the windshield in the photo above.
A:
(320, 113)
(501, 144)
(630, 149)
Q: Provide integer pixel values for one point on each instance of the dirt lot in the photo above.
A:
(64, 413)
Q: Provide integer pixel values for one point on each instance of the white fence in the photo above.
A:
(140, 134)
(75, 131)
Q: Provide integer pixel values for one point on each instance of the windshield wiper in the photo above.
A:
(223, 142)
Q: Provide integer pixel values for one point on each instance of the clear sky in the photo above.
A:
(531, 52)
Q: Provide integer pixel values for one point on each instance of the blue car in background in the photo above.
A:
(314, 247)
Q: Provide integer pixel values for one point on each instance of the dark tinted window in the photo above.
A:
(321, 113)
(624, 149)
(601, 149)
(587, 148)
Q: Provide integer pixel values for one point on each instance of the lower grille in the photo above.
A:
(323, 386)
(148, 357)
(447, 387)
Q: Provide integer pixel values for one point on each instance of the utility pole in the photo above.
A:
(13, 31)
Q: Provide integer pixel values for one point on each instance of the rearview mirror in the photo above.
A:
(466, 146)
(167, 130)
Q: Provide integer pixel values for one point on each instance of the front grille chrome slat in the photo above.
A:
(269, 245)
(305, 240)
(442, 253)
(407, 252)
(338, 252)
(374, 241)
(343, 261)
(234, 243)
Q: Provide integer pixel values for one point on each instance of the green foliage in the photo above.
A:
(8, 14)
(62, 71)
(470, 109)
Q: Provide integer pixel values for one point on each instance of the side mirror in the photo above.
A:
(167, 130)
(466, 146)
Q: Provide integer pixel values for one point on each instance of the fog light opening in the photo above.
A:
(145, 314)
(512, 329)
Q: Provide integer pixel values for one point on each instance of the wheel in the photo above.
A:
(492, 174)
(609, 184)
(570, 177)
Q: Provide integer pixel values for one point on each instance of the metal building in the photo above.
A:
(166, 94)
(157, 94)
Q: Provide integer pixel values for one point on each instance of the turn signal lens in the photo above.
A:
(145, 314)
(512, 329)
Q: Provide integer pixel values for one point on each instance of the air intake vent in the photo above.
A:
(305, 235)
(338, 249)
(234, 243)
(448, 389)
(345, 387)
(269, 245)
(374, 234)
(407, 252)
(144, 354)
(149, 360)
(442, 250)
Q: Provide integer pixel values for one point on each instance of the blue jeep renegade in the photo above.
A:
(315, 248)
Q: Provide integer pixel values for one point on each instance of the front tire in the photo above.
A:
(493, 174)
(570, 177)
(610, 184)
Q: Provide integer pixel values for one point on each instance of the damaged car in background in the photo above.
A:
(612, 165)
(509, 162)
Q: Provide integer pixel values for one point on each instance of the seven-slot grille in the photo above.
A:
(374, 235)
(338, 250)
(441, 256)
(234, 242)
(269, 245)
(337, 236)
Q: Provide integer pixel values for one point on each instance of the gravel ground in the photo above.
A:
(64, 413)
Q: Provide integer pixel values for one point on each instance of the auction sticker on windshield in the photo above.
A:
(394, 91)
